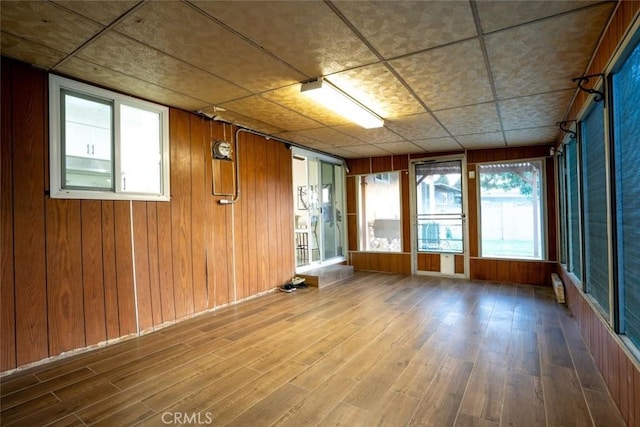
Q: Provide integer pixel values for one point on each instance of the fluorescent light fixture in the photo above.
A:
(337, 101)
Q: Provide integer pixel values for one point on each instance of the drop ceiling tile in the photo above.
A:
(181, 31)
(32, 53)
(104, 12)
(479, 118)
(396, 28)
(46, 24)
(344, 153)
(115, 80)
(300, 138)
(370, 136)
(367, 150)
(331, 137)
(403, 147)
(448, 76)
(268, 112)
(545, 55)
(418, 126)
(242, 120)
(496, 15)
(535, 136)
(130, 57)
(291, 98)
(375, 87)
(322, 44)
(536, 110)
(482, 140)
(438, 144)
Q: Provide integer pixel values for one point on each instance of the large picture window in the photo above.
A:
(511, 209)
(104, 145)
(379, 199)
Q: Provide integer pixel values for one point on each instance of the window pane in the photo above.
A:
(87, 138)
(439, 206)
(573, 201)
(627, 157)
(511, 210)
(140, 150)
(380, 227)
(596, 238)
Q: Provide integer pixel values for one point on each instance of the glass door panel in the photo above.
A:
(439, 211)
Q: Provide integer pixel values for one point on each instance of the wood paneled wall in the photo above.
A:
(620, 369)
(529, 272)
(616, 364)
(72, 269)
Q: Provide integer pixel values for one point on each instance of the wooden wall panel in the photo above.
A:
(262, 224)
(92, 271)
(620, 374)
(165, 262)
(65, 307)
(381, 164)
(249, 286)
(428, 262)
(154, 266)
(552, 239)
(401, 162)
(459, 264)
(199, 143)
(352, 195)
(109, 272)
(220, 245)
(399, 263)
(512, 271)
(179, 131)
(7, 291)
(28, 136)
(359, 166)
(352, 231)
(124, 267)
(141, 257)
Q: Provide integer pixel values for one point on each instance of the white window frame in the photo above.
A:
(544, 256)
(56, 85)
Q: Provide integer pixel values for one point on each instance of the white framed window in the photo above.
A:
(512, 201)
(105, 145)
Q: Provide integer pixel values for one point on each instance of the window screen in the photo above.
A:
(595, 204)
(626, 85)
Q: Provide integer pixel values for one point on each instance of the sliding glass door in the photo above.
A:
(318, 186)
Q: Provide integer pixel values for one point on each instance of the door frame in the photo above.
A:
(321, 158)
(413, 217)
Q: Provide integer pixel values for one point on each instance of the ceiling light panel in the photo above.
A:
(334, 99)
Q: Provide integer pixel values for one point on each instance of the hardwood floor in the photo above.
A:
(375, 349)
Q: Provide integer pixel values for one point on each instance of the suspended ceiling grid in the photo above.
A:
(445, 75)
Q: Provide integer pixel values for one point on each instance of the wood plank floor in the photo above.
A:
(376, 349)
